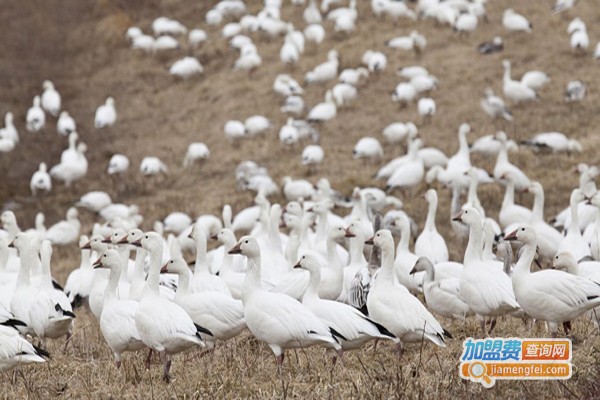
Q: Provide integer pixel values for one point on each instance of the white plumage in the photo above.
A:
(106, 114)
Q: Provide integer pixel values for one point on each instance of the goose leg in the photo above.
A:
(279, 360)
(148, 359)
(567, 327)
(117, 360)
(492, 325)
(166, 366)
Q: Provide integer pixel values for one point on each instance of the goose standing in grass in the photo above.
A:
(430, 243)
(535, 79)
(79, 281)
(573, 241)
(554, 141)
(495, 45)
(548, 238)
(324, 72)
(511, 213)
(353, 76)
(256, 125)
(106, 114)
(163, 325)
(410, 174)
(152, 166)
(66, 231)
(515, 22)
(9, 131)
(277, 319)
(117, 322)
(203, 280)
(233, 277)
(368, 148)
(355, 327)
(186, 67)
(516, 91)
(324, 111)
(94, 201)
(196, 37)
(312, 155)
(36, 119)
(441, 295)
(50, 99)
(552, 296)
(40, 180)
(222, 315)
(504, 169)
(426, 108)
(392, 305)
(575, 91)
(118, 164)
(486, 290)
(65, 124)
(50, 312)
(494, 106)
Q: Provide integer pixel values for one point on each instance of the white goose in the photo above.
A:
(441, 295)
(411, 173)
(355, 327)
(405, 259)
(9, 131)
(222, 315)
(494, 106)
(486, 290)
(79, 281)
(367, 148)
(430, 243)
(324, 111)
(40, 180)
(36, 119)
(50, 99)
(324, 72)
(515, 22)
(511, 213)
(117, 322)
(548, 238)
(516, 91)
(505, 170)
(163, 325)
(203, 280)
(573, 241)
(277, 319)
(186, 67)
(552, 296)
(392, 305)
(118, 164)
(50, 313)
(553, 141)
(233, 278)
(106, 114)
(94, 201)
(100, 277)
(66, 231)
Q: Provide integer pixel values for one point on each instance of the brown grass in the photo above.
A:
(78, 47)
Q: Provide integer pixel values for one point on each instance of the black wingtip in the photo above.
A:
(202, 329)
(42, 352)
(13, 323)
(336, 334)
(447, 334)
(382, 329)
(57, 286)
(58, 308)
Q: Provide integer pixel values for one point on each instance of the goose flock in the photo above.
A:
(306, 263)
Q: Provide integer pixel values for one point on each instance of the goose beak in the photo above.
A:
(310, 209)
(214, 237)
(526, 190)
(123, 240)
(413, 271)
(370, 241)
(190, 236)
(298, 265)
(12, 244)
(458, 218)
(98, 263)
(349, 234)
(137, 243)
(235, 249)
(87, 246)
(107, 240)
(512, 235)
(164, 269)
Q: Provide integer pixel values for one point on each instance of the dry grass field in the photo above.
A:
(82, 48)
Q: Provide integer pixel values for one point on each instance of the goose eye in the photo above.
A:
(246, 242)
(104, 256)
(522, 229)
(146, 236)
(171, 261)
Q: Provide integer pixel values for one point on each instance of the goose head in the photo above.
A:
(48, 85)
(383, 239)
(354, 229)
(109, 259)
(110, 101)
(83, 239)
(469, 216)
(506, 64)
(501, 136)
(36, 101)
(46, 251)
(8, 219)
(309, 263)
(525, 234)
(422, 264)
(336, 232)
(150, 241)
(8, 118)
(176, 265)
(72, 214)
(95, 243)
(431, 196)
(132, 236)
(246, 246)
(464, 129)
(225, 236)
(294, 208)
(115, 237)
(21, 242)
(535, 188)
(564, 261)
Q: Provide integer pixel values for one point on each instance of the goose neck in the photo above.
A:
(431, 211)
(475, 245)
(538, 206)
(523, 267)
(312, 291)
(113, 282)
(154, 271)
